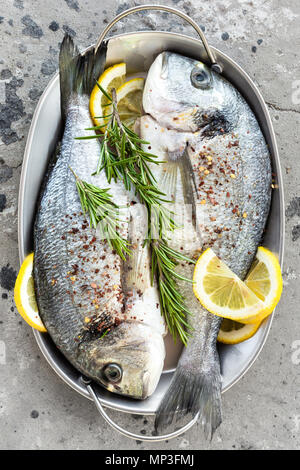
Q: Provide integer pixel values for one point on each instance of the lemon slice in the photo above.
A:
(264, 277)
(129, 100)
(25, 295)
(222, 293)
(113, 77)
(233, 332)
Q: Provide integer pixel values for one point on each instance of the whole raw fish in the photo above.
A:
(217, 165)
(102, 313)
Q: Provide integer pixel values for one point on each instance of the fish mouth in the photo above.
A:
(137, 350)
(141, 393)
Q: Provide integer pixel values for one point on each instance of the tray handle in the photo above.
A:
(211, 56)
(88, 383)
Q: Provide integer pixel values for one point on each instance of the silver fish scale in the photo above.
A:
(231, 190)
(74, 269)
(233, 180)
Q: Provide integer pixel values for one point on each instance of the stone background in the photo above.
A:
(37, 410)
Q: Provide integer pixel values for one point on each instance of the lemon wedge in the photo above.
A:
(233, 332)
(25, 296)
(129, 101)
(264, 277)
(222, 293)
(112, 77)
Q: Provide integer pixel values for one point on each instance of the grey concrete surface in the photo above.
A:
(37, 410)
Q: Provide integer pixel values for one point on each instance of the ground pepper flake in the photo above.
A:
(212, 201)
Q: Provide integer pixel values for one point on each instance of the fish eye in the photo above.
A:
(200, 77)
(113, 373)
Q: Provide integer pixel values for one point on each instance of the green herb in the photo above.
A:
(122, 157)
(105, 333)
(97, 202)
(163, 262)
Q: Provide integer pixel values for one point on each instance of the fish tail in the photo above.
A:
(78, 72)
(192, 393)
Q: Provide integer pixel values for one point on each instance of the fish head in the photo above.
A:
(128, 361)
(185, 94)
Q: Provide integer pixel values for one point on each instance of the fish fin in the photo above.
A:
(78, 72)
(182, 169)
(136, 268)
(191, 392)
(168, 179)
(172, 167)
(188, 177)
(189, 185)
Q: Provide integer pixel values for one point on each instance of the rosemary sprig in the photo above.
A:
(163, 263)
(129, 162)
(122, 157)
(97, 202)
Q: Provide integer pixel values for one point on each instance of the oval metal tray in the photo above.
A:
(138, 50)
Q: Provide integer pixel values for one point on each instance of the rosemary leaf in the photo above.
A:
(97, 202)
